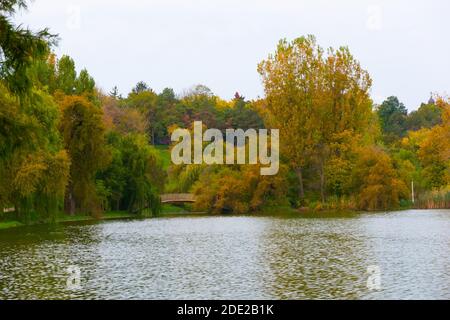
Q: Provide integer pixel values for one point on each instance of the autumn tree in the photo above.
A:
(377, 185)
(344, 115)
(83, 133)
(434, 152)
(290, 79)
(238, 190)
(315, 99)
(122, 119)
(34, 170)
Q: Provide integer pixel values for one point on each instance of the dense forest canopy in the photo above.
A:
(67, 146)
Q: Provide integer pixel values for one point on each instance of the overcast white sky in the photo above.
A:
(178, 43)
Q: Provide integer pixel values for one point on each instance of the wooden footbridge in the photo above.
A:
(178, 198)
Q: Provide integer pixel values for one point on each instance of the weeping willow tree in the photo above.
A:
(135, 178)
(34, 170)
(83, 133)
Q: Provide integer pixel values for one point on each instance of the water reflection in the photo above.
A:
(34, 261)
(316, 259)
(413, 251)
(232, 258)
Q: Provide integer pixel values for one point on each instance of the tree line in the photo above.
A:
(66, 146)
(339, 150)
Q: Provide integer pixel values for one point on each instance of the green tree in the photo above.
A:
(66, 75)
(19, 48)
(135, 178)
(140, 87)
(114, 93)
(427, 116)
(83, 133)
(84, 84)
(242, 114)
(393, 117)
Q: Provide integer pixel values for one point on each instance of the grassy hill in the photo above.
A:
(164, 153)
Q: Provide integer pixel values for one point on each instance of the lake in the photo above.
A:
(232, 257)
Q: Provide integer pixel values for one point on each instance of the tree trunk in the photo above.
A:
(69, 202)
(322, 181)
(301, 191)
(72, 204)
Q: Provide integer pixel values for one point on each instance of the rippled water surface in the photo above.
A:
(233, 258)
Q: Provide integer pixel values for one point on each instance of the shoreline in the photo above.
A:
(123, 215)
(107, 216)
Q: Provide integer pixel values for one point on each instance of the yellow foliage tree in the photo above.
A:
(39, 183)
(238, 189)
(34, 169)
(314, 99)
(434, 150)
(376, 181)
